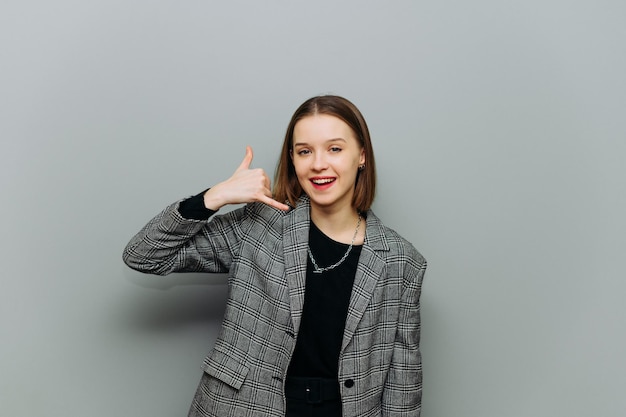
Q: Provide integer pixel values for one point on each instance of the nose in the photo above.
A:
(319, 162)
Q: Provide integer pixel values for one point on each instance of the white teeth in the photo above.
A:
(323, 181)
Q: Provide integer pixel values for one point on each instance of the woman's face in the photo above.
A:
(326, 155)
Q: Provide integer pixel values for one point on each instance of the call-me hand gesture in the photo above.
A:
(244, 186)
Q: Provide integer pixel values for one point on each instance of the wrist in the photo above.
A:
(211, 199)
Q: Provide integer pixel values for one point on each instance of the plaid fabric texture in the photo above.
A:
(264, 251)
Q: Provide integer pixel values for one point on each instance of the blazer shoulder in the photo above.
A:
(259, 216)
(403, 247)
(399, 247)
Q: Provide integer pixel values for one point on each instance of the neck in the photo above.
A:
(338, 225)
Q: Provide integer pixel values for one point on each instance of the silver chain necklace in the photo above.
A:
(318, 270)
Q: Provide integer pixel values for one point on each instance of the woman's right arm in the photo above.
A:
(172, 243)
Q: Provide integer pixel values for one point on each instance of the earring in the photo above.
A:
(361, 167)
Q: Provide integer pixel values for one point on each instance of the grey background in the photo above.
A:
(499, 129)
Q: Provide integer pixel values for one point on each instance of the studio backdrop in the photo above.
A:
(499, 131)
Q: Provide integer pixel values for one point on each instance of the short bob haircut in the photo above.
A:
(286, 185)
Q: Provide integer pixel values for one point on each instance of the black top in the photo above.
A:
(326, 299)
(193, 208)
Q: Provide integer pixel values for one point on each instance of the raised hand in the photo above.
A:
(244, 186)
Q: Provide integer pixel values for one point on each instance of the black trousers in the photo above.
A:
(312, 397)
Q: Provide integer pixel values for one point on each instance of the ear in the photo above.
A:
(362, 157)
(291, 154)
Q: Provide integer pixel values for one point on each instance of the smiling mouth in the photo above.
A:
(322, 181)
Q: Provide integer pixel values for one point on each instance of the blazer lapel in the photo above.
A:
(370, 269)
(295, 241)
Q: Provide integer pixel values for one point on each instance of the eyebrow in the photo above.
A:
(328, 141)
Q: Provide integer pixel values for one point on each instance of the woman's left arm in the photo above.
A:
(402, 392)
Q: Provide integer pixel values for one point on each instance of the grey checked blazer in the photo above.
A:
(264, 251)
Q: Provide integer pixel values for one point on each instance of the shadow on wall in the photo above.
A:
(174, 280)
(177, 300)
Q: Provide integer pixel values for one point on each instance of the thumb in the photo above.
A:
(247, 160)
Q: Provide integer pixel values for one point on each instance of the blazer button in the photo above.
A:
(349, 383)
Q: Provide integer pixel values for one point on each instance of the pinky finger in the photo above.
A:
(273, 203)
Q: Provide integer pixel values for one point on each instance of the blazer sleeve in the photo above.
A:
(402, 392)
(170, 243)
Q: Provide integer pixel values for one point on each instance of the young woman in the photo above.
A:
(323, 316)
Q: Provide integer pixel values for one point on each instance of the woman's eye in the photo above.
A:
(335, 149)
(304, 152)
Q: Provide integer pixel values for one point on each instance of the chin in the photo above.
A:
(328, 201)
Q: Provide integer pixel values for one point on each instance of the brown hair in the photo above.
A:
(286, 185)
